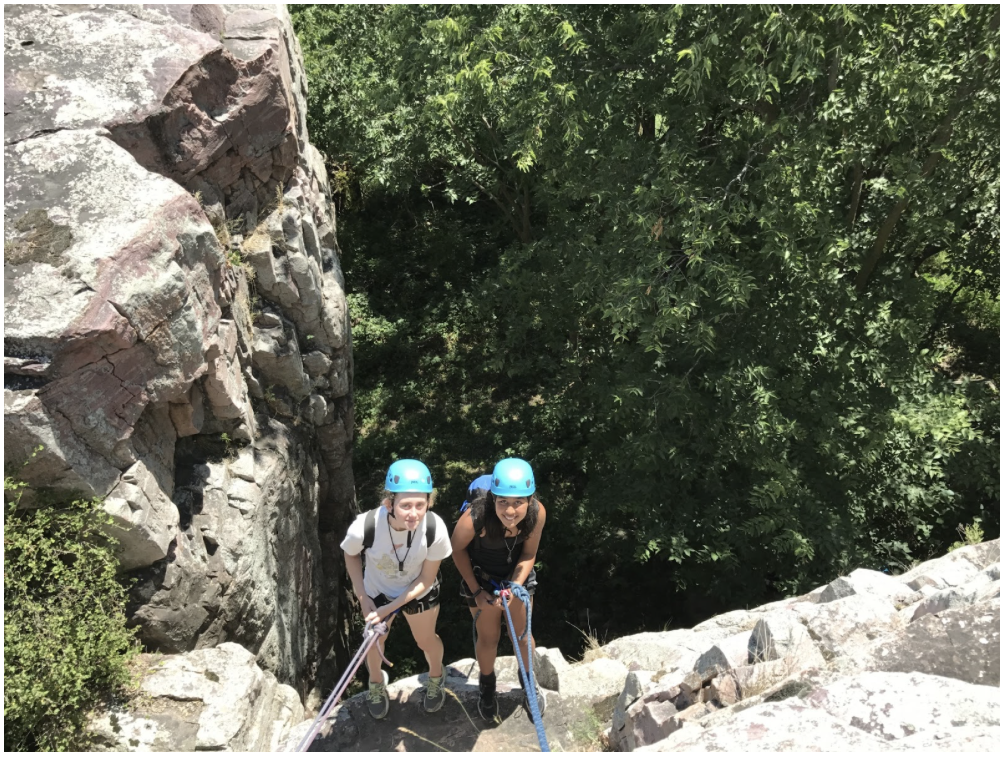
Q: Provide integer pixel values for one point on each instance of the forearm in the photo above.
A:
(354, 568)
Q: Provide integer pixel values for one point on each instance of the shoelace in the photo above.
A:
(434, 686)
(376, 693)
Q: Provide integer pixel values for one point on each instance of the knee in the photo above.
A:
(489, 637)
(428, 643)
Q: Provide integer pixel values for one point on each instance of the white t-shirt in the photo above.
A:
(380, 571)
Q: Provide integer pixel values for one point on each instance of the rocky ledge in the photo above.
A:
(869, 662)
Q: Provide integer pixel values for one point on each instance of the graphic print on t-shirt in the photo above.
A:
(388, 567)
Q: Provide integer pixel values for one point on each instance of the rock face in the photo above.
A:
(176, 330)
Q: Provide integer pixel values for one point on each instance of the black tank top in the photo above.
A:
(491, 555)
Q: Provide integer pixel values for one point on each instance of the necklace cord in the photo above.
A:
(394, 550)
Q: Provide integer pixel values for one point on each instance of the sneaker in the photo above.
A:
(489, 708)
(435, 694)
(377, 698)
(539, 696)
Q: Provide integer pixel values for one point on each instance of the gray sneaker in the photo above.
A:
(526, 702)
(377, 698)
(435, 694)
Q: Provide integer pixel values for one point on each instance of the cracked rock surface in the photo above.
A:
(176, 327)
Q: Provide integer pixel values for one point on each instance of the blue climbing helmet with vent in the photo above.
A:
(513, 477)
(408, 476)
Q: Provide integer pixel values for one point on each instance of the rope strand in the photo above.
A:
(371, 636)
(528, 675)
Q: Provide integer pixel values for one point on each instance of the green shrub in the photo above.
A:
(66, 643)
(972, 534)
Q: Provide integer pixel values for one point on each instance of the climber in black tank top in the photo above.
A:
(497, 539)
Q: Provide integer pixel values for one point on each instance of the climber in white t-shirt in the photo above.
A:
(403, 543)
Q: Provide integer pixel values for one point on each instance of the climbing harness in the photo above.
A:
(506, 591)
(371, 636)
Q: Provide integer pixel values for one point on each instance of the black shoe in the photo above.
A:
(526, 704)
(488, 706)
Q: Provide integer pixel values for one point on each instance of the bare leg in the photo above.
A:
(424, 630)
(374, 658)
(486, 645)
(519, 617)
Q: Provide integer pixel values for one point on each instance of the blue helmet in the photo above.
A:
(408, 476)
(513, 477)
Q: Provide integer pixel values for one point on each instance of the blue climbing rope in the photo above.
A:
(530, 689)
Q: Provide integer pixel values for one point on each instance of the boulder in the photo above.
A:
(276, 356)
(983, 587)
(637, 683)
(549, 666)
(949, 574)
(759, 679)
(600, 682)
(868, 582)
(840, 628)
(225, 385)
(790, 725)
(656, 709)
(210, 699)
(146, 520)
(737, 621)
(957, 643)
(957, 567)
(650, 722)
(896, 706)
(317, 364)
(782, 636)
(726, 654)
(668, 651)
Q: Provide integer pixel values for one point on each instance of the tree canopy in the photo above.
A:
(727, 276)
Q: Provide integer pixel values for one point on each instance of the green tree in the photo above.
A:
(727, 276)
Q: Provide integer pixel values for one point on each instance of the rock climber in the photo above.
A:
(403, 543)
(496, 539)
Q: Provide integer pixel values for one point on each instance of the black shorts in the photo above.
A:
(466, 595)
(417, 605)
